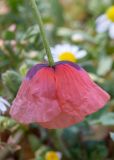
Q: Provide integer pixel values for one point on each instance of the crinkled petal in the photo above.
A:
(77, 93)
(63, 120)
(111, 31)
(36, 100)
(57, 97)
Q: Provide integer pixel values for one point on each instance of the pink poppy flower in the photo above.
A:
(58, 96)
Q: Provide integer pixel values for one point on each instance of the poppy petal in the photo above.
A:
(36, 100)
(57, 97)
(63, 120)
(34, 70)
(77, 93)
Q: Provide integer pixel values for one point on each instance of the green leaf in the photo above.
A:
(8, 35)
(39, 158)
(6, 123)
(31, 31)
(34, 142)
(11, 80)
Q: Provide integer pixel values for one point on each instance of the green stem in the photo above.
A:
(40, 23)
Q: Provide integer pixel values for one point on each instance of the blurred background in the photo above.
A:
(65, 21)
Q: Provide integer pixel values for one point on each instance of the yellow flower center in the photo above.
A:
(110, 13)
(67, 56)
(51, 156)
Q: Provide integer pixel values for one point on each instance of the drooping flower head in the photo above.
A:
(105, 22)
(63, 52)
(58, 96)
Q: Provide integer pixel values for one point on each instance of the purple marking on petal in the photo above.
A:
(76, 66)
(37, 67)
(34, 70)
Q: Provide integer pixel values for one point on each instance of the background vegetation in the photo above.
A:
(21, 47)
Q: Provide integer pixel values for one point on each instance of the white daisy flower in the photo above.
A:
(105, 22)
(3, 105)
(67, 52)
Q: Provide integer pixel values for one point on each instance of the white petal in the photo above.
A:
(59, 155)
(70, 48)
(52, 49)
(103, 27)
(4, 101)
(66, 48)
(3, 107)
(74, 49)
(56, 59)
(81, 54)
(61, 48)
(111, 31)
(101, 18)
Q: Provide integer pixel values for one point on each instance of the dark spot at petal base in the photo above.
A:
(38, 67)
(34, 70)
(76, 66)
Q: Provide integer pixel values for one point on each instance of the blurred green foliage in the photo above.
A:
(22, 47)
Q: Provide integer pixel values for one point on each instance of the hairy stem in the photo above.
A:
(42, 31)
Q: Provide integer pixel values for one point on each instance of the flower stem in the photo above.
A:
(42, 31)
